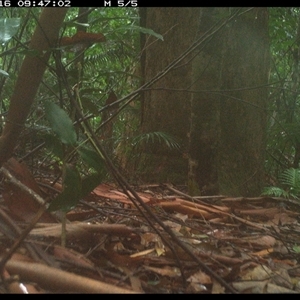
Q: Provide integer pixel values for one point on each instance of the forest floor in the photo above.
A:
(219, 244)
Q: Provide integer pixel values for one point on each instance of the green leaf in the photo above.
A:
(71, 194)
(3, 73)
(53, 144)
(8, 28)
(75, 24)
(142, 30)
(92, 159)
(60, 123)
(90, 182)
(296, 248)
(274, 191)
(291, 178)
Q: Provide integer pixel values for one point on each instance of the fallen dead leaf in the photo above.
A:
(166, 271)
(142, 253)
(200, 277)
(258, 242)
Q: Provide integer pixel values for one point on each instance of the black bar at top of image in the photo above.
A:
(133, 3)
(97, 3)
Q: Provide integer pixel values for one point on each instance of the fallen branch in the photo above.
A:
(58, 280)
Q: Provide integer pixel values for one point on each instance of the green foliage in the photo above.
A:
(8, 28)
(54, 145)
(71, 193)
(283, 143)
(60, 123)
(290, 181)
(3, 73)
(157, 138)
(275, 191)
(74, 187)
(92, 159)
(142, 30)
(91, 72)
(296, 249)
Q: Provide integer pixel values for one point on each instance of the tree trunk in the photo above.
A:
(243, 105)
(166, 106)
(204, 115)
(222, 121)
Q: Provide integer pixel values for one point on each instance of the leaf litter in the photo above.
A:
(252, 244)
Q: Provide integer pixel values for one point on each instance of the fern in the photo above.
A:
(290, 178)
(275, 191)
(109, 57)
(156, 137)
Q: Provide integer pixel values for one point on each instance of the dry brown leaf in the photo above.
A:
(20, 203)
(260, 272)
(148, 238)
(181, 208)
(200, 277)
(73, 256)
(275, 289)
(264, 212)
(166, 271)
(264, 252)
(282, 278)
(173, 225)
(260, 242)
(217, 288)
(136, 284)
(195, 287)
(254, 287)
(283, 219)
(142, 253)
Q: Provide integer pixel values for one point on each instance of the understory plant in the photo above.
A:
(289, 185)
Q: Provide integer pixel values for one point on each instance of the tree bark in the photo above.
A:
(29, 77)
(166, 106)
(204, 115)
(245, 71)
(221, 121)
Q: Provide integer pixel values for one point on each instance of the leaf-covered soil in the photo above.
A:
(219, 244)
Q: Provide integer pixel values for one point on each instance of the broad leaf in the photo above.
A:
(90, 182)
(71, 194)
(8, 28)
(92, 159)
(53, 144)
(142, 30)
(3, 73)
(60, 123)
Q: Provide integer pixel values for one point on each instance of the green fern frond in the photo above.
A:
(108, 56)
(292, 132)
(291, 178)
(156, 137)
(275, 192)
